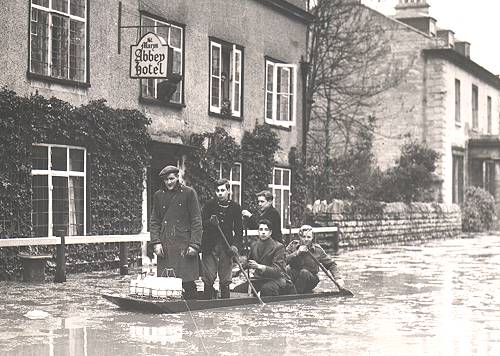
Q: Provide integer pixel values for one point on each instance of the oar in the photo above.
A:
(216, 221)
(327, 272)
(247, 248)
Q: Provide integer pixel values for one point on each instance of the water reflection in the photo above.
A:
(438, 298)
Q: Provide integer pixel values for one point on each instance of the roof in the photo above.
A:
(290, 10)
(465, 63)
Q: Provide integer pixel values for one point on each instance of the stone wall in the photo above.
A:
(392, 223)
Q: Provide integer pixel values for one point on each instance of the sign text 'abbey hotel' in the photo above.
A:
(148, 58)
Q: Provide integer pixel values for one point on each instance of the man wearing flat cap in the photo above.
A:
(176, 229)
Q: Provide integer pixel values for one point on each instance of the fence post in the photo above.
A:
(123, 258)
(60, 258)
(336, 235)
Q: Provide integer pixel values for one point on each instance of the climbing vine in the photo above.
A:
(298, 188)
(116, 141)
(258, 149)
(210, 150)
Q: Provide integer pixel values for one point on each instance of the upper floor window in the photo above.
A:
(225, 78)
(233, 175)
(281, 190)
(488, 112)
(281, 89)
(475, 107)
(173, 35)
(457, 100)
(58, 40)
(58, 183)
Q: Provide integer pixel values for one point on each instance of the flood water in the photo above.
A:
(436, 298)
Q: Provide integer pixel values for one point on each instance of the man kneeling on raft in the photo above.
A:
(302, 268)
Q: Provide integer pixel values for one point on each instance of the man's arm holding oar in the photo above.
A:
(215, 221)
(328, 273)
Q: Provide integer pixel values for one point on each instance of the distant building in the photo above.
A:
(238, 60)
(445, 99)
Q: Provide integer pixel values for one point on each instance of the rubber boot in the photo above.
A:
(208, 292)
(190, 292)
(224, 292)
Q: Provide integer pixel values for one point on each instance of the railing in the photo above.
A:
(61, 241)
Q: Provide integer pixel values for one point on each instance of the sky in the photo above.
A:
(477, 22)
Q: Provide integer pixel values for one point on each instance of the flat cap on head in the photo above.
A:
(167, 170)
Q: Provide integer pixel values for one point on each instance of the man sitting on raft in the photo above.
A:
(267, 258)
(302, 268)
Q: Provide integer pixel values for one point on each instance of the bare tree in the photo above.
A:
(350, 63)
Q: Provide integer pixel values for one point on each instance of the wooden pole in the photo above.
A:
(123, 258)
(236, 258)
(60, 276)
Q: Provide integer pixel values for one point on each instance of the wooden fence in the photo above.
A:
(61, 241)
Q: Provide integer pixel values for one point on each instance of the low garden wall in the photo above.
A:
(385, 223)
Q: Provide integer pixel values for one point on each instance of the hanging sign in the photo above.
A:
(148, 58)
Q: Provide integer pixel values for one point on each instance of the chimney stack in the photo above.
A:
(463, 48)
(446, 38)
(415, 13)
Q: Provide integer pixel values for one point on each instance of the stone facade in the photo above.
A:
(398, 223)
(423, 103)
(262, 30)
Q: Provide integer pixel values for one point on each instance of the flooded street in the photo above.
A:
(437, 298)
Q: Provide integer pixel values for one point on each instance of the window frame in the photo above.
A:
(475, 106)
(84, 82)
(273, 91)
(235, 50)
(489, 109)
(457, 101)
(50, 173)
(182, 50)
(231, 181)
(458, 174)
(283, 210)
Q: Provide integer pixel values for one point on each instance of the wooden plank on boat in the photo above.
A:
(158, 306)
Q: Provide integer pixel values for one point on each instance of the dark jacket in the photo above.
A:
(271, 254)
(271, 214)
(229, 221)
(304, 260)
(176, 223)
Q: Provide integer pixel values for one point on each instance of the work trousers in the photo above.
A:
(266, 287)
(303, 279)
(216, 261)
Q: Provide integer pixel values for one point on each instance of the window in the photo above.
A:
(58, 42)
(233, 175)
(457, 100)
(225, 78)
(488, 111)
(280, 93)
(475, 107)
(58, 182)
(489, 176)
(281, 190)
(458, 179)
(173, 36)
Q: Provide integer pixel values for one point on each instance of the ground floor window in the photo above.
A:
(233, 175)
(281, 190)
(482, 174)
(59, 190)
(458, 179)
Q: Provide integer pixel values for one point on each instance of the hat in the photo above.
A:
(167, 170)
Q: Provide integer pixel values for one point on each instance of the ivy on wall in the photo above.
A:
(257, 156)
(210, 150)
(298, 188)
(116, 141)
